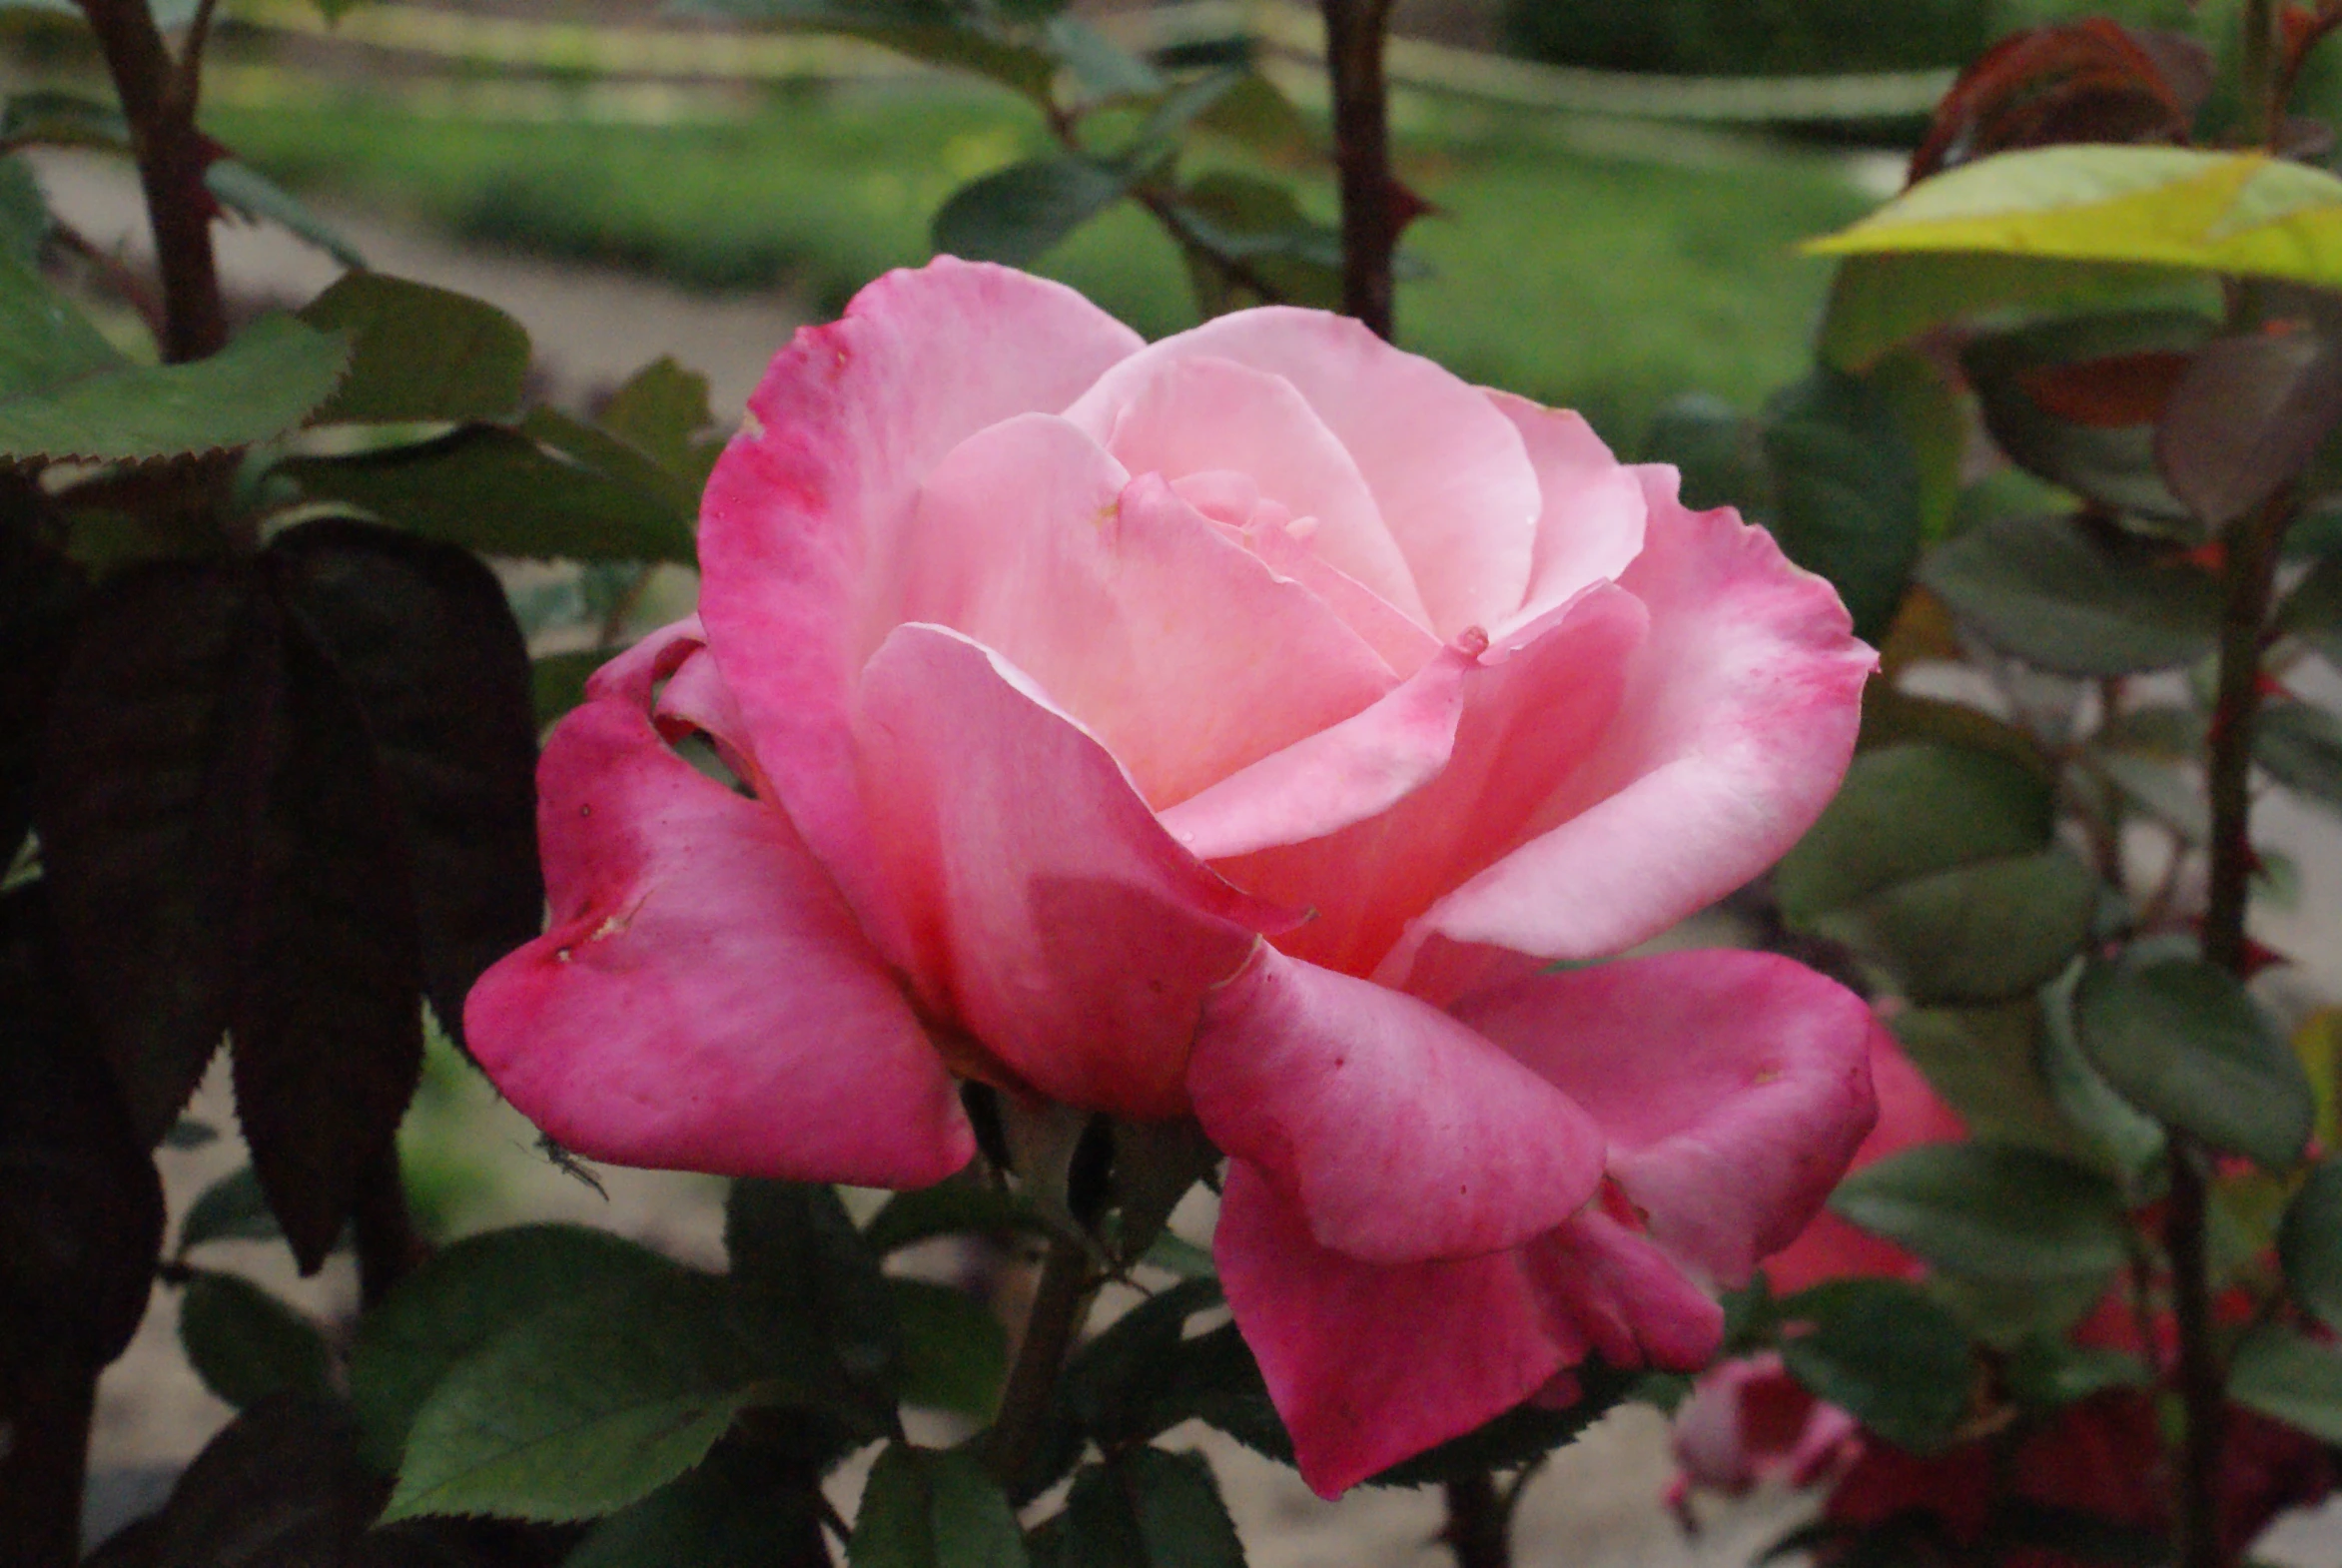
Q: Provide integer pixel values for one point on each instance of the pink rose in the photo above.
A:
(1227, 727)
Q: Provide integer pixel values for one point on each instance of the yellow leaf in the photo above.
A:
(2318, 1041)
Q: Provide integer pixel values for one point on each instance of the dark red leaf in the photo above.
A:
(145, 800)
(2088, 81)
(422, 634)
(327, 1023)
(2246, 419)
(2123, 389)
(80, 1208)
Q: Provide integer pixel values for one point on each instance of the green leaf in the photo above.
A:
(263, 384)
(1991, 1212)
(2186, 1043)
(925, 1508)
(2242, 213)
(230, 1210)
(1846, 492)
(420, 354)
(2313, 610)
(738, 1509)
(2008, 1311)
(64, 120)
(961, 1205)
(2062, 597)
(1882, 1350)
(2289, 1377)
(245, 1344)
(1910, 811)
(934, 32)
(820, 1293)
(499, 493)
(1977, 933)
(465, 1297)
(251, 195)
(2127, 1144)
(2301, 747)
(2049, 1373)
(1878, 304)
(1105, 69)
(1146, 1508)
(591, 1405)
(1986, 1063)
(955, 1352)
(1259, 224)
(1712, 447)
(2310, 1244)
(662, 412)
(1016, 215)
(45, 342)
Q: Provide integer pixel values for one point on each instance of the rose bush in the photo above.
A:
(1236, 727)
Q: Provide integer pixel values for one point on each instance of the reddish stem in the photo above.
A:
(1355, 31)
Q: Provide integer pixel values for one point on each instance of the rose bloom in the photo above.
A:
(1235, 728)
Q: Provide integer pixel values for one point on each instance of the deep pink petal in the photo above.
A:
(1448, 471)
(1048, 912)
(1400, 1134)
(1200, 415)
(1732, 1088)
(1538, 703)
(1591, 527)
(1370, 1365)
(810, 498)
(1610, 1291)
(1356, 769)
(704, 1000)
(1737, 723)
(1184, 654)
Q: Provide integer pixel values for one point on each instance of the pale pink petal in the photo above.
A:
(1402, 1135)
(1732, 1088)
(1365, 765)
(1748, 1421)
(1449, 472)
(1199, 415)
(1403, 645)
(1370, 1365)
(704, 1000)
(812, 495)
(1610, 1291)
(1737, 723)
(1048, 912)
(1187, 656)
(1591, 527)
(1538, 703)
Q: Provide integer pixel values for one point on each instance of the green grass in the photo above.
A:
(1605, 283)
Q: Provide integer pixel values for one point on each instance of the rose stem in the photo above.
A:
(1058, 1309)
(1354, 33)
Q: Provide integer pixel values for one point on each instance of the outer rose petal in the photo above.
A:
(1400, 1134)
(1369, 1365)
(1200, 415)
(1748, 1421)
(1539, 701)
(1049, 912)
(1182, 652)
(807, 500)
(703, 999)
(1738, 721)
(1609, 1291)
(1732, 1088)
(1448, 472)
(1591, 527)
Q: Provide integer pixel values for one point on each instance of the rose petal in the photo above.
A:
(1370, 1365)
(811, 496)
(1402, 1135)
(1538, 703)
(704, 1000)
(1611, 1291)
(1196, 415)
(1591, 527)
(1737, 724)
(1184, 656)
(1448, 472)
(1048, 911)
(1732, 1088)
(1362, 766)
(1402, 643)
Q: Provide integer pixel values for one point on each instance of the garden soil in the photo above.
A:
(1599, 1504)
